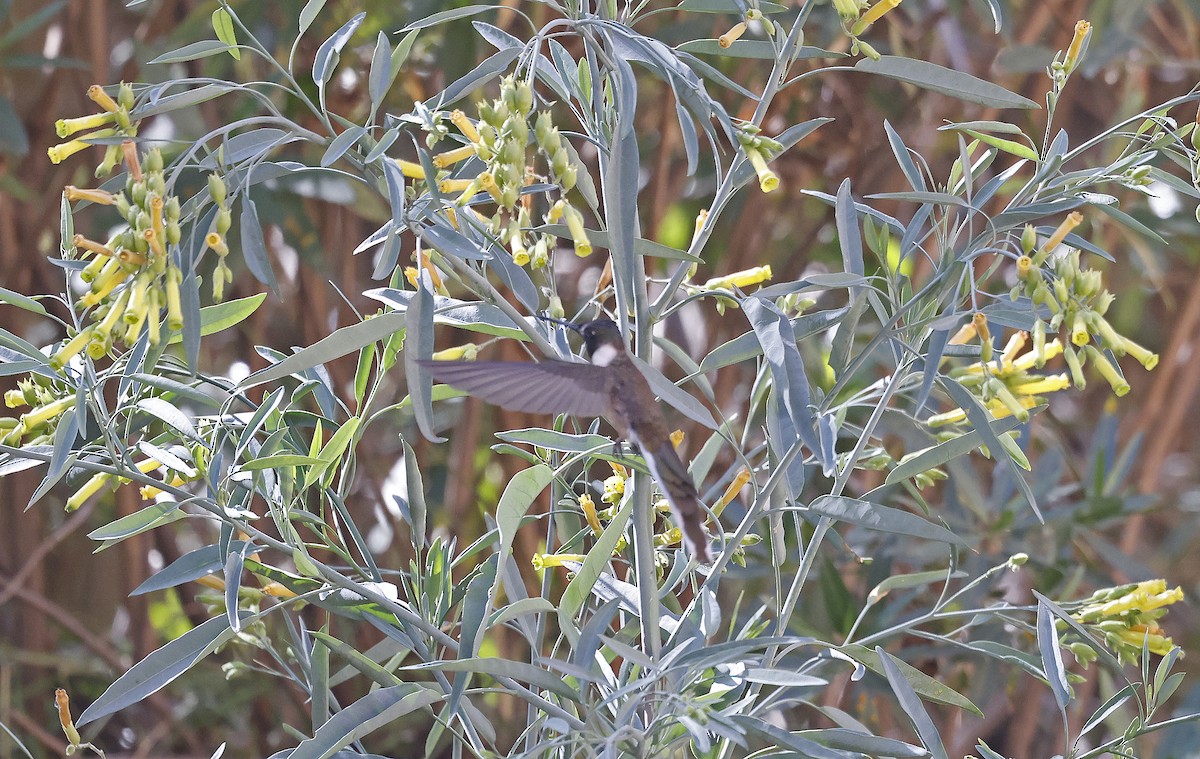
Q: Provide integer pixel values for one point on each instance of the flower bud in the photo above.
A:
(216, 189)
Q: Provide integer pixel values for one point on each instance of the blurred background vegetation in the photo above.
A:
(1122, 480)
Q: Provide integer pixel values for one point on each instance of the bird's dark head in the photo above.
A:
(601, 337)
(601, 332)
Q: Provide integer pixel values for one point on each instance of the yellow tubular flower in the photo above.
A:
(449, 186)
(89, 489)
(876, 12)
(542, 560)
(1109, 371)
(1031, 359)
(129, 150)
(965, 334)
(435, 276)
(101, 98)
(1024, 267)
(155, 242)
(174, 304)
(487, 181)
(735, 487)
(63, 151)
(132, 258)
(68, 127)
(217, 243)
(1013, 347)
(1144, 357)
(410, 169)
(516, 243)
(676, 439)
(767, 179)
(744, 278)
(466, 352)
(70, 349)
(64, 717)
(460, 120)
(1043, 385)
(589, 513)
(100, 197)
(1074, 219)
(583, 246)
(277, 590)
(211, 581)
(38, 416)
(156, 215)
(725, 40)
(451, 157)
(100, 249)
(1082, 31)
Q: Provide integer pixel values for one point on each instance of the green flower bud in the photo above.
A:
(125, 97)
(153, 161)
(216, 189)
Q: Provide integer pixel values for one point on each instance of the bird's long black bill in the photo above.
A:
(563, 322)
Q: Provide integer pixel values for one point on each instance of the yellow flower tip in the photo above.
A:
(467, 352)
(1144, 357)
(731, 36)
(410, 169)
(1044, 385)
(583, 248)
(1082, 30)
(101, 98)
(1074, 219)
(965, 334)
(460, 120)
(448, 186)
(767, 179)
(1024, 267)
(451, 157)
(129, 152)
(278, 590)
(211, 581)
(735, 487)
(63, 151)
(410, 273)
(876, 12)
(677, 439)
(89, 489)
(64, 718)
(542, 560)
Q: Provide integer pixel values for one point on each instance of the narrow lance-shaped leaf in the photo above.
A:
(159, 668)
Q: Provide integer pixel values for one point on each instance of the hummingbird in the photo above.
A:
(611, 386)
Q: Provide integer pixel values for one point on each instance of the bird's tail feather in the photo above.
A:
(681, 494)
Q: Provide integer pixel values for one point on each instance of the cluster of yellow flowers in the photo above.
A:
(614, 492)
(47, 404)
(130, 277)
(1077, 300)
(114, 121)
(1008, 386)
(855, 21)
(1126, 618)
(500, 138)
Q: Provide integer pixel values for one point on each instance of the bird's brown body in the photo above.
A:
(610, 386)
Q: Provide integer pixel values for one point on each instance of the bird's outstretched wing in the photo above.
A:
(546, 387)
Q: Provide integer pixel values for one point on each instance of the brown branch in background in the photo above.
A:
(34, 560)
